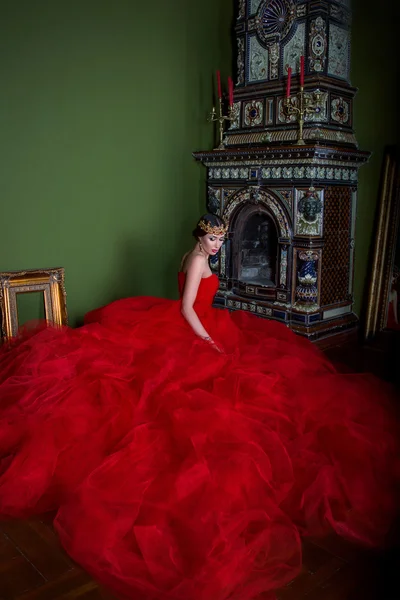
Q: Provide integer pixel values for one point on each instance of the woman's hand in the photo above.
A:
(213, 345)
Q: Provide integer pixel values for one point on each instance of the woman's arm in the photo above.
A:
(193, 278)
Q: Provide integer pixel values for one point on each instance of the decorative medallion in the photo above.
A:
(320, 113)
(340, 111)
(275, 19)
(258, 61)
(317, 45)
(253, 113)
(339, 52)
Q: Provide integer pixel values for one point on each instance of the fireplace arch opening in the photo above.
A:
(255, 248)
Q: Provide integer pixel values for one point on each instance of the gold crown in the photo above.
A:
(213, 230)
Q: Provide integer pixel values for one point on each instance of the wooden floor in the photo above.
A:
(33, 566)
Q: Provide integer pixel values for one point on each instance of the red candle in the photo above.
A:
(230, 88)
(219, 85)
(289, 79)
(302, 71)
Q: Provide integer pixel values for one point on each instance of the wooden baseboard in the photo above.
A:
(340, 338)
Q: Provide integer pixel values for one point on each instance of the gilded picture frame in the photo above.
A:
(48, 281)
(382, 299)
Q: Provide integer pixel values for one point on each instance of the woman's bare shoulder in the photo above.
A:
(192, 260)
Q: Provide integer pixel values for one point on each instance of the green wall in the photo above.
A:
(101, 106)
(375, 59)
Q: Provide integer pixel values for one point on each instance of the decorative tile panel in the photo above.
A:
(240, 61)
(318, 116)
(235, 116)
(286, 172)
(258, 61)
(339, 52)
(295, 48)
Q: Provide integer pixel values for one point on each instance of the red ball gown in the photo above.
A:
(179, 473)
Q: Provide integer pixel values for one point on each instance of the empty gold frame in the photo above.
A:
(48, 281)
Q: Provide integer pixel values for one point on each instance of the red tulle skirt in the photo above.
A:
(179, 473)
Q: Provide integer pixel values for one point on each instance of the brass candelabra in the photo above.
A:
(221, 119)
(302, 105)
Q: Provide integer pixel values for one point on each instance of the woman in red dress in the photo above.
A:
(186, 450)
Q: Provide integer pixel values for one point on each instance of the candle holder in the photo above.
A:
(221, 118)
(304, 106)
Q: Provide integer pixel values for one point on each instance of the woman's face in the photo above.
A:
(212, 243)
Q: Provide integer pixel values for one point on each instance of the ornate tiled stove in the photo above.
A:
(290, 207)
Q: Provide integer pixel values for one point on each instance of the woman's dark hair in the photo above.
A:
(208, 219)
